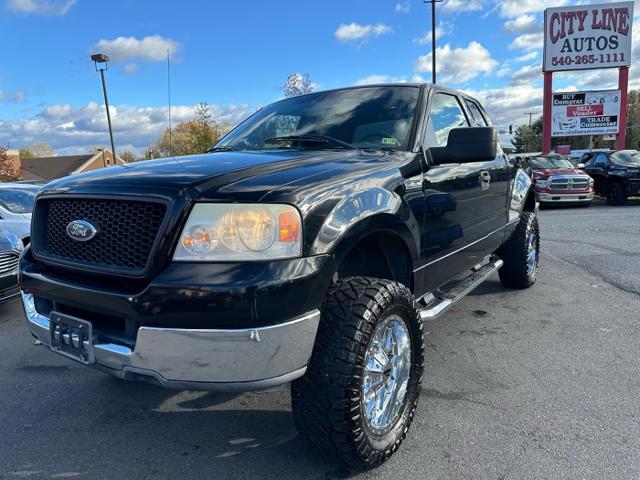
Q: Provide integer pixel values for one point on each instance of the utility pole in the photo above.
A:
(531, 114)
(433, 37)
(102, 59)
(169, 99)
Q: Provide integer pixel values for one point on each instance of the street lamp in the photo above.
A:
(433, 37)
(99, 59)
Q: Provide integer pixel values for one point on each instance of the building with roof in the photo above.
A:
(50, 168)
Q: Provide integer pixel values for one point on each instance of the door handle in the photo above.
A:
(485, 180)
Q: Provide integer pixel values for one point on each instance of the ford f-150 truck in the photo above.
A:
(306, 248)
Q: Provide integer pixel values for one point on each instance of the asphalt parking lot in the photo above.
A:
(537, 384)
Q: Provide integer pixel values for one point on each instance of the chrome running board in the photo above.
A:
(436, 303)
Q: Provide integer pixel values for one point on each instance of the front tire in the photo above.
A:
(358, 397)
(521, 254)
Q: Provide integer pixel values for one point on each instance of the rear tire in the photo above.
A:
(617, 193)
(334, 404)
(521, 254)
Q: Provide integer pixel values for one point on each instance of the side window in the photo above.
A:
(477, 119)
(601, 161)
(445, 115)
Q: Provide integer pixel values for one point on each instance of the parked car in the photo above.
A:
(307, 247)
(558, 182)
(616, 174)
(16, 204)
(10, 249)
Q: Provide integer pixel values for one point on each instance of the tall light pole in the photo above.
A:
(433, 37)
(99, 59)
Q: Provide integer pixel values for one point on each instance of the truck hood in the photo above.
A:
(236, 175)
(543, 173)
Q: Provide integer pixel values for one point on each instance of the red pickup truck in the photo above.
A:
(557, 181)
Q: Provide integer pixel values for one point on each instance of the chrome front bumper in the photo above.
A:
(564, 197)
(198, 359)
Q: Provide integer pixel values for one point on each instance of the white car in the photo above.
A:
(16, 204)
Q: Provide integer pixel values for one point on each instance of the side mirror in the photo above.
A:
(466, 145)
(581, 166)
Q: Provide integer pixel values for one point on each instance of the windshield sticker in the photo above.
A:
(389, 141)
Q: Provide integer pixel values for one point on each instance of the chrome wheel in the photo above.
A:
(532, 253)
(386, 374)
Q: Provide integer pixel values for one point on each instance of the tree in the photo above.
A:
(9, 172)
(41, 149)
(193, 136)
(297, 84)
(633, 121)
(128, 156)
(24, 153)
(527, 138)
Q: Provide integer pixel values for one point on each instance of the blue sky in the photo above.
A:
(237, 55)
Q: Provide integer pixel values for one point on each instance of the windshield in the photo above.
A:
(626, 158)
(371, 117)
(538, 163)
(18, 200)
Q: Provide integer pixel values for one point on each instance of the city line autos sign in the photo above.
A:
(585, 113)
(588, 37)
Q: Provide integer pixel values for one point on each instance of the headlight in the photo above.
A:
(542, 183)
(591, 182)
(218, 232)
(19, 246)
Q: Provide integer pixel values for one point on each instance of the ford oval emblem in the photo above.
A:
(81, 230)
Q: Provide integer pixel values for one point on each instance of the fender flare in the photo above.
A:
(375, 210)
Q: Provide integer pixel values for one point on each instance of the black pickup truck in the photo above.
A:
(307, 247)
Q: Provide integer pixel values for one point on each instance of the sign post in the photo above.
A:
(585, 38)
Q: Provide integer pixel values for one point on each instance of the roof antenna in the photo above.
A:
(169, 96)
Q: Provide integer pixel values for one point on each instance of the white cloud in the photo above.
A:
(152, 48)
(130, 68)
(528, 41)
(40, 7)
(443, 29)
(527, 75)
(515, 8)
(403, 7)
(375, 79)
(459, 65)
(354, 31)
(77, 129)
(526, 57)
(522, 24)
(462, 5)
(506, 106)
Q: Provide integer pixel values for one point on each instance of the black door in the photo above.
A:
(465, 203)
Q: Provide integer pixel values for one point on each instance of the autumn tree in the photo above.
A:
(128, 156)
(633, 121)
(9, 172)
(297, 84)
(193, 136)
(41, 149)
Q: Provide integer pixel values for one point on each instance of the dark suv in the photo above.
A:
(616, 174)
(307, 247)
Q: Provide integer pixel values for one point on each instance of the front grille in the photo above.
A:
(569, 183)
(8, 263)
(127, 232)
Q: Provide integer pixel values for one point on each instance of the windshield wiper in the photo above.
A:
(314, 138)
(225, 148)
